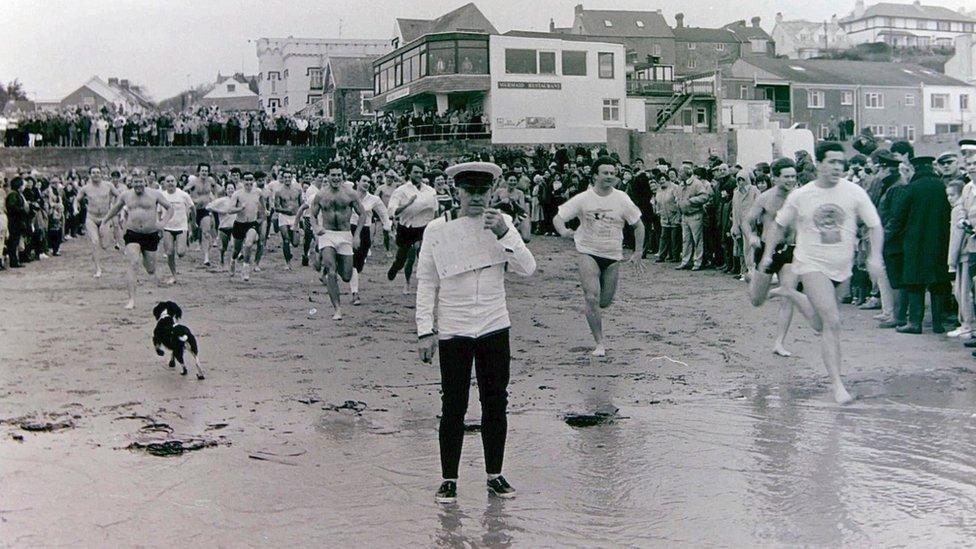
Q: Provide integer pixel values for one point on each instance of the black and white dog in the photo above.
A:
(170, 335)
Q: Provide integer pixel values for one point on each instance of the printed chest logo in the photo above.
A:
(829, 220)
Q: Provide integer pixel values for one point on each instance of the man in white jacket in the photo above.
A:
(461, 275)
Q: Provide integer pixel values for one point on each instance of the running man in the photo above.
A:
(824, 215)
(264, 220)
(142, 227)
(200, 189)
(331, 212)
(602, 210)
(175, 231)
(225, 227)
(370, 203)
(99, 195)
(415, 205)
(763, 212)
(287, 200)
(246, 204)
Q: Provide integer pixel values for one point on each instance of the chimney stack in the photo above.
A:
(858, 8)
(679, 20)
(833, 19)
(124, 83)
(112, 81)
(779, 17)
(552, 25)
(755, 21)
(578, 9)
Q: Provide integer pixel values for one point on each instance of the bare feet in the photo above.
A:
(841, 396)
(337, 315)
(171, 280)
(131, 304)
(599, 351)
(98, 274)
(355, 299)
(780, 350)
(406, 289)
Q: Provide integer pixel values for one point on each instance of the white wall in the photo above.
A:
(952, 114)
(576, 109)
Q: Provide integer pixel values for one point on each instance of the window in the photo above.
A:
(743, 91)
(574, 63)
(892, 131)
(824, 131)
(692, 63)
(547, 62)
(656, 49)
(758, 45)
(692, 46)
(286, 101)
(312, 98)
(605, 64)
(874, 101)
(815, 99)
(909, 100)
(964, 102)
(943, 26)
(286, 74)
(686, 117)
(472, 57)
(940, 101)
(365, 106)
(878, 131)
(315, 78)
(520, 61)
(719, 47)
(231, 88)
(846, 98)
(639, 23)
(611, 110)
(273, 104)
(947, 128)
(442, 58)
(909, 132)
(701, 117)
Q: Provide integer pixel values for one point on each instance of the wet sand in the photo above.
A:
(720, 442)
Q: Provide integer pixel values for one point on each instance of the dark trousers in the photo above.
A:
(670, 248)
(13, 243)
(491, 357)
(916, 304)
(54, 238)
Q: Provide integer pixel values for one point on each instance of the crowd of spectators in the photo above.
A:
(198, 126)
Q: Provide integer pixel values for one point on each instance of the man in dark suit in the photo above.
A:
(18, 220)
(923, 218)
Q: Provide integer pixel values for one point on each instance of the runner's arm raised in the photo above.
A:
(114, 211)
(168, 210)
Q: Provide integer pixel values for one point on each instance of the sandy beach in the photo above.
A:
(309, 432)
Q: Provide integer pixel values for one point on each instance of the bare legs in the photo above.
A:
(133, 254)
(335, 266)
(98, 236)
(598, 293)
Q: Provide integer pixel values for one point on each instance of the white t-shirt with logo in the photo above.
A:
(181, 203)
(602, 218)
(825, 221)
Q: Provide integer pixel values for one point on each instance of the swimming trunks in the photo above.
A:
(782, 255)
(408, 236)
(240, 229)
(201, 214)
(602, 262)
(148, 242)
(340, 241)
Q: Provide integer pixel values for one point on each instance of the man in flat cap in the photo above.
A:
(948, 168)
(461, 274)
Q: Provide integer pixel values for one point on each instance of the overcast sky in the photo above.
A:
(53, 46)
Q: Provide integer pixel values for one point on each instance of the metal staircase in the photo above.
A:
(674, 106)
(684, 92)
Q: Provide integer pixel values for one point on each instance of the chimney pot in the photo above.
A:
(755, 21)
(679, 20)
(124, 83)
(578, 9)
(779, 17)
(552, 25)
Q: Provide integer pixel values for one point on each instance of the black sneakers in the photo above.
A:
(447, 493)
(500, 487)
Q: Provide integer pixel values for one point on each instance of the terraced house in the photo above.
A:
(835, 99)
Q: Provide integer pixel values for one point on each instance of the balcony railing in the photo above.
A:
(678, 87)
(442, 132)
(781, 105)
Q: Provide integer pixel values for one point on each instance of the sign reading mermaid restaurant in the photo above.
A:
(530, 85)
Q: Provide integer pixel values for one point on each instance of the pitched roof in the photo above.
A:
(352, 72)
(251, 103)
(745, 32)
(466, 18)
(914, 10)
(866, 73)
(697, 34)
(554, 36)
(625, 24)
(812, 26)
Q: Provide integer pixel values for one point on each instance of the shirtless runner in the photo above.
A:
(246, 203)
(287, 200)
(264, 220)
(142, 227)
(764, 211)
(331, 211)
(100, 195)
(201, 191)
(370, 203)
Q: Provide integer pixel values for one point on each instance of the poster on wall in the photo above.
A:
(528, 122)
